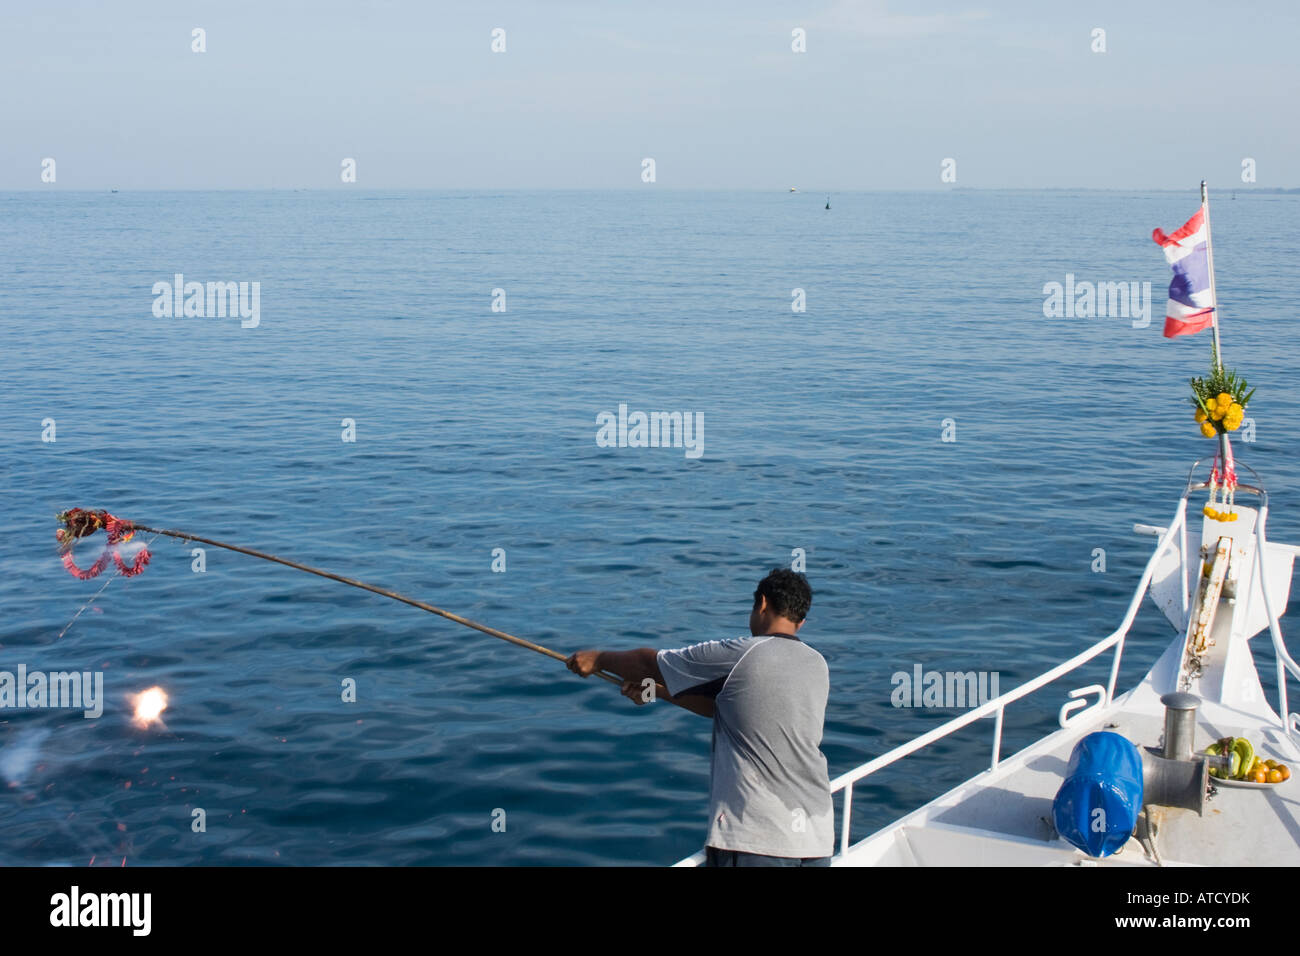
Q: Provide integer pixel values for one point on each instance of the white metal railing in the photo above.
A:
(998, 705)
(1284, 661)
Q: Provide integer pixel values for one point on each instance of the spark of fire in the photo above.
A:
(149, 706)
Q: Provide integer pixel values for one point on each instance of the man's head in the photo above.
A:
(781, 603)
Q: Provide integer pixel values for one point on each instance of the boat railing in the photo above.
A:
(1285, 663)
(997, 706)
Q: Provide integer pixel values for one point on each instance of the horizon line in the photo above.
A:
(745, 189)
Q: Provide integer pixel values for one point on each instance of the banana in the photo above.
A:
(1240, 754)
(1215, 749)
(1242, 749)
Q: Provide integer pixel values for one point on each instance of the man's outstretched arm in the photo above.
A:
(635, 667)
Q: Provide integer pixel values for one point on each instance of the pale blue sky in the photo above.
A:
(585, 90)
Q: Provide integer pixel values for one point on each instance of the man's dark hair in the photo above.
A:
(787, 593)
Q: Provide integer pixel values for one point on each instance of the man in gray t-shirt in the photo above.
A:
(769, 793)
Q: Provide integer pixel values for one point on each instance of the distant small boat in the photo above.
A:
(114, 190)
(828, 202)
(793, 190)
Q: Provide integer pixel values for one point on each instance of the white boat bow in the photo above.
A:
(1004, 815)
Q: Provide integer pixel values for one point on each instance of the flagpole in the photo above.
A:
(1209, 254)
(1225, 445)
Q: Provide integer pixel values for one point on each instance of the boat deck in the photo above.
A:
(1004, 817)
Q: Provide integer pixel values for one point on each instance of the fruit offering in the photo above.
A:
(1245, 764)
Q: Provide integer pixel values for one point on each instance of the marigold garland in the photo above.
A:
(1220, 399)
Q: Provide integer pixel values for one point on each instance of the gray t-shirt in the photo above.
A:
(769, 791)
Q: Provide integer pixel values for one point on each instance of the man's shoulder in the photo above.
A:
(792, 650)
(797, 646)
(720, 647)
(733, 650)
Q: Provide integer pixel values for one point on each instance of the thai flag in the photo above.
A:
(1189, 309)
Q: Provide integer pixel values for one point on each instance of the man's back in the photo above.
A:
(769, 791)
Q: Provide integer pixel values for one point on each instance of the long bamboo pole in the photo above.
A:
(384, 592)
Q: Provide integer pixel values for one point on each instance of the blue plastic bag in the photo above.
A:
(1097, 807)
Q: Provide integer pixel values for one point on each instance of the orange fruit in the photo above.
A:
(1284, 770)
(1260, 776)
(1275, 776)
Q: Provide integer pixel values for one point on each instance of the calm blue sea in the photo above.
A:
(476, 430)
